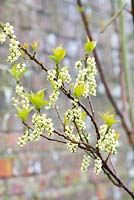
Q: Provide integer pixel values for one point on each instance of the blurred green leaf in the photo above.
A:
(34, 45)
(58, 54)
(79, 90)
(37, 99)
(23, 112)
(16, 73)
(90, 46)
(109, 118)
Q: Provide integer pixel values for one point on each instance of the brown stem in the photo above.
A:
(122, 72)
(91, 105)
(108, 92)
(58, 115)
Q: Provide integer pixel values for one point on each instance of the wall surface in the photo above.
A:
(42, 170)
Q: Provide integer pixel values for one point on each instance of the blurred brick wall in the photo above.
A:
(43, 170)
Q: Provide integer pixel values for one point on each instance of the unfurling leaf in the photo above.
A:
(90, 46)
(16, 73)
(37, 99)
(109, 118)
(79, 90)
(23, 112)
(25, 45)
(58, 54)
(34, 46)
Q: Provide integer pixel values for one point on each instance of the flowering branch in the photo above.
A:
(75, 132)
(129, 131)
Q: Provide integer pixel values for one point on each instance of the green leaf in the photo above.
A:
(34, 46)
(83, 115)
(65, 120)
(79, 90)
(23, 113)
(37, 99)
(133, 186)
(80, 9)
(90, 46)
(15, 73)
(52, 58)
(58, 54)
(109, 118)
(25, 45)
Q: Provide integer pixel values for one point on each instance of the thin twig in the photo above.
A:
(122, 72)
(91, 105)
(52, 139)
(112, 19)
(58, 115)
(113, 166)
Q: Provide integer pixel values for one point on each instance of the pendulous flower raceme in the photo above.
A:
(26, 137)
(21, 101)
(2, 37)
(14, 48)
(41, 122)
(97, 165)
(86, 76)
(85, 163)
(72, 146)
(74, 115)
(56, 82)
(108, 141)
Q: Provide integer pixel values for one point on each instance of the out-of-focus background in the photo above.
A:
(45, 170)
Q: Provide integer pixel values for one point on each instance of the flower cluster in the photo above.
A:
(8, 29)
(21, 67)
(97, 165)
(54, 97)
(86, 76)
(64, 75)
(49, 126)
(51, 75)
(19, 89)
(85, 163)
(21, 101)
(91, 65)
(75, 115)
(26, 137)
(78, 64)
(41, 123)
(81, 76)
(14, 50)
(2, 37)
(69, 130)
(108, 141)
(72, 146)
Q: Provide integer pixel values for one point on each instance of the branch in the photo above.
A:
(112, 19)
(91, 105)
(58, 115)
(52, 139)
(81, 144)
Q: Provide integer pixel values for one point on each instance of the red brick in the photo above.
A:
(6, 166)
